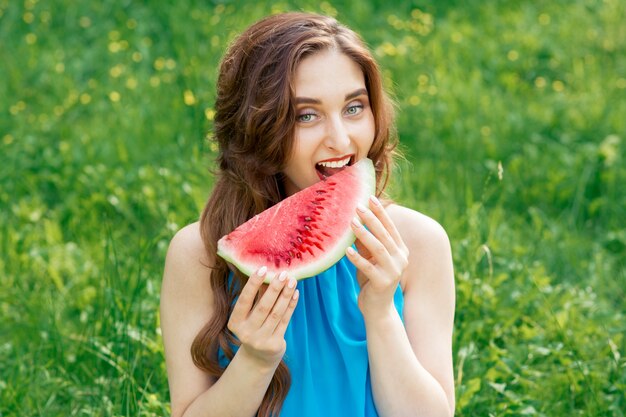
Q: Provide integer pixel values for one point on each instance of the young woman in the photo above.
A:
(369, 337)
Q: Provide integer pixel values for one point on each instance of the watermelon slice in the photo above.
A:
(306, 233)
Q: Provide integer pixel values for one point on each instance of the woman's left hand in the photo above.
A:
(381, 259)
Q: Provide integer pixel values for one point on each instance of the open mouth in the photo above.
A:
(330, 167)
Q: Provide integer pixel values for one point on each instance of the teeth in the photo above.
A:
(335, 164)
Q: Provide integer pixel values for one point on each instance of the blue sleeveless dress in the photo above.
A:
(327, 350)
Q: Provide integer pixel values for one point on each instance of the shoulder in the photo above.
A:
(427, 241)
(186, 277)
(186, 253)
(186, 306)
(404, 216)
(187, 242)
(421, 234)
(429, 294)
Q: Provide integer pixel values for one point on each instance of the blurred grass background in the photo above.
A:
(512, 120)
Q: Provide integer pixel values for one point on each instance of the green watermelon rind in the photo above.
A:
(332, 256)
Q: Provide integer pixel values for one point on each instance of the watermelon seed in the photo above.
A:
(307, 219)
(307, 227)
(299, 240)
(318, 245)
(299, 255)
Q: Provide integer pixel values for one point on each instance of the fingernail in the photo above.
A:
(360, 207)
(282, 276)
(374, 200)
(262, 271)
(291, 283)
(351, 250)
(356, 223)
(296, 293)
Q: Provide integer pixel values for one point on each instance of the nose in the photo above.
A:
(337, 134)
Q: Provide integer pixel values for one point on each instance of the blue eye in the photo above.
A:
(306, 117)
(354, 109)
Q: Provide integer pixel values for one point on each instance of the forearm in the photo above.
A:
(237, 393)
(401, 385)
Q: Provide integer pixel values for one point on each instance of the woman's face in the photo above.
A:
(334, 121)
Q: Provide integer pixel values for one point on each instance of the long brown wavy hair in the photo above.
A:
(254, 128)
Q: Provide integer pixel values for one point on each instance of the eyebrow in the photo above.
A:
(349, 96)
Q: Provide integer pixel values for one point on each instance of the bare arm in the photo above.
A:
(187, 304)
(410, 364)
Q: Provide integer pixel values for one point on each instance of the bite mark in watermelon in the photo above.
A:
(306, 233)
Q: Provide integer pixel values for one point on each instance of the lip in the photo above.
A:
(323, 174)
(341, 158)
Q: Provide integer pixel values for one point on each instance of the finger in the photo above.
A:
(378, 252)
(376, 227)
(361, 278)
(262, 291)
(280, 307)
(284, 321)
(367, 269)
(248, 295)
(362, 249)
(264, 306)
(380, 212)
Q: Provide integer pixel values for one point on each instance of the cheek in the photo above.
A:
(306, 141)
(367, 131)
(306, 138)
(302, 151)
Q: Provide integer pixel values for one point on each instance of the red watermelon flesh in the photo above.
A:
(306, 233)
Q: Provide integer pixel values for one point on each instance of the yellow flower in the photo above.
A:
(189, 98)
(114, 96)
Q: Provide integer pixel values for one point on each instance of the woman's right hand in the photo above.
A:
(261, 315)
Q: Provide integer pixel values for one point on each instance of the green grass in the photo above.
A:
(511, 117)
